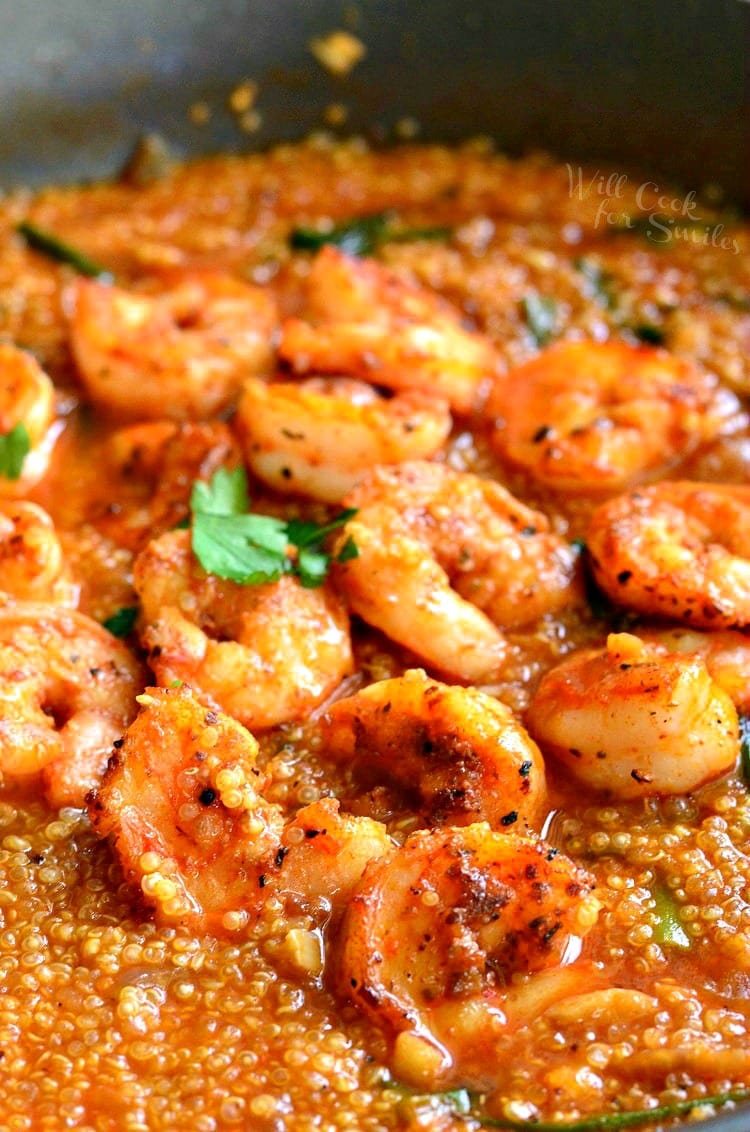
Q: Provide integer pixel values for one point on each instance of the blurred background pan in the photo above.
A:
(656, 85)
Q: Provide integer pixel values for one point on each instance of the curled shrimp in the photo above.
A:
(32, 563)
(165, 458)
(678, 550)
(583, 416)
(319, 437)
(726, 654)
(67, 690)
(182, 801)
(458, 752)
(27, 398)
(265, 654)
(183, 353)
(368, 323)
(631, 723)
(444, 558)
(324, 853)
(436, 930)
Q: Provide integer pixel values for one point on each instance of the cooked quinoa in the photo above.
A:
(112, 1018)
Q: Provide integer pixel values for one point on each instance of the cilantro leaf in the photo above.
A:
(14, 448)
(312, 567)
(363, 235)
(540, 312)
(231, 542)
(122, 622)
(354, 237)
(312, 562)
(224, 494)
(744, 721)
(348, 551)
(249, 549)
(301, 533)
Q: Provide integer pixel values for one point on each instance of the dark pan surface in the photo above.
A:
(656, 85)
(645, 84)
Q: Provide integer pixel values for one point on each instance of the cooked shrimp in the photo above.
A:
(435, 931)
(585, 416)
(183, 353)
(265, 654)
(459, 753)
(165, 458)
(319, 437)
(679, 550)
(324, 853)
(32, 563)
(368, 323)
(27, 397)
(726, 655)
(630, 723)
(444, 558)
(182, 801)
(67, 690)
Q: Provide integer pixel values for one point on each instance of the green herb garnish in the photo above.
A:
(363, 235)
(744, 721)
(49, 245)
(606, 1122)
(231, 542)
(464, 1104)
(312, 562)
(669, 931)
(14, 448)
(407, 235)
(122, 622)
(738, 300)
(601, 282)
(649, 333)
(540, 312)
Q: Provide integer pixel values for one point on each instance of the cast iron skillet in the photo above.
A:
(656, 85)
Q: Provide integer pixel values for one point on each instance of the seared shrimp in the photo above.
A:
(435, 931)
(32, 564)
(630, 723)
(27, 397)
(368, 323)
(459, 753)
(183, 353)
(67, 690)
(265, 654)
(585, 416)
(444, 558)
(679, 550)
(182, 800)
(725, 653)
(319, 437)
(324, 853)
(166, 458)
